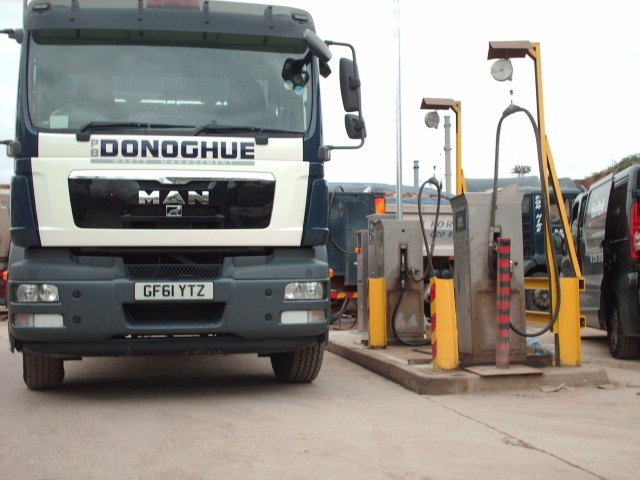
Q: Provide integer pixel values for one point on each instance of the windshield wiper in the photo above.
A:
(261, 134)
(84, 133)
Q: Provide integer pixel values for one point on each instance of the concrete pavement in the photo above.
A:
(412, 368)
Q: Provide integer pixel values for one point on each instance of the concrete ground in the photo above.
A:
(196, 417)
(412, 367)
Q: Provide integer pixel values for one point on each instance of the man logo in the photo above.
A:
(173, 197)
(174, 210)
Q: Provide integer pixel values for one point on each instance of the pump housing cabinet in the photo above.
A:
(395, 252)
(475, 283)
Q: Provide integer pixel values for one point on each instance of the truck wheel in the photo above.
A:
(537, 300)
(300, 366)
(620, 345)
(41, 372)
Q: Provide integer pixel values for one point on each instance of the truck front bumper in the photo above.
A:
(99, 314)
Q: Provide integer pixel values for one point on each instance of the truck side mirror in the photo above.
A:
(349, 86)
(351, 101)
(355, 127)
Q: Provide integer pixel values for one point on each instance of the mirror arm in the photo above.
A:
(17, 34)
(324, 151)
(13, 147)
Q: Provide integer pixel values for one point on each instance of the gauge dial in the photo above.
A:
(502, 70)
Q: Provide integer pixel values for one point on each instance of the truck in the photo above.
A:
(353, 202)
(168, 194)
(5, 240)
(352, 205)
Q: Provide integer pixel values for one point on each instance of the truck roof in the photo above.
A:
(177, 15)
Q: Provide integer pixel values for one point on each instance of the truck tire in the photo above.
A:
(41, 372)
(537, 300)
(620, 345)
(299, 366)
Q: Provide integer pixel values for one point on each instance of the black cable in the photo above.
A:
(430, 270)
(550, 259)
(343, 309)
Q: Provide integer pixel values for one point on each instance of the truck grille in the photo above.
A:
(150, 204)
(170, 272)
(173, 313)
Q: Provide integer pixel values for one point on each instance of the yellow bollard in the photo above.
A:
(377, 313)
(444, 329)
(567, 327)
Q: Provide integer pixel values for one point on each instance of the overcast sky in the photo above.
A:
(590, 57)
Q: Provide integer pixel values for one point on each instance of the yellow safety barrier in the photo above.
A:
(377, 313)
(567, 327)
(444, 329)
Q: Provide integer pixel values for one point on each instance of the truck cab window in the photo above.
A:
(76, 79)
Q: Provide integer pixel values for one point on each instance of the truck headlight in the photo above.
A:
(37, 293)
(304, 291)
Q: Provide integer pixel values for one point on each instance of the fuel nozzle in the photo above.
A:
(403, 264)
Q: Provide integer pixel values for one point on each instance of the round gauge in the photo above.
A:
(432, 119)
(502, 70)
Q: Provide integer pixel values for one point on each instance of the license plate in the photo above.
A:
(174, 291)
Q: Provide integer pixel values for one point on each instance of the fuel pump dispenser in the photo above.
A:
(392, 249)
(481, 221)
(365, 260)
(395, 254)
(475, 283)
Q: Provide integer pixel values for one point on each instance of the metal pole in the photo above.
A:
(447, 153)
(396, 12)
(416, 173)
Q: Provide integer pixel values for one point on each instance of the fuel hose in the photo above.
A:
(551, 260)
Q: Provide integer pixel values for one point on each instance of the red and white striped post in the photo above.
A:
(503, 302)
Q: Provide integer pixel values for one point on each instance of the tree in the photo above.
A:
(521, 170)
(619, 166)
(627, 162)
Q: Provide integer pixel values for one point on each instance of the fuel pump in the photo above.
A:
(393, 249)
(396, 249)
(474, 278)
(480, 223)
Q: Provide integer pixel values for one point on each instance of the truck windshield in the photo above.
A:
(78, 76)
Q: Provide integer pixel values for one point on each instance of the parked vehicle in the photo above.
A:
(168, 194)
(5, 240)
(350, 206)
(605, 225)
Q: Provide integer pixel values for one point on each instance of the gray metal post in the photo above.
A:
(447, 153)
(396, 12)
(416, 173)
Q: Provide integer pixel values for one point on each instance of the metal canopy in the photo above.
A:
(509, 49)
